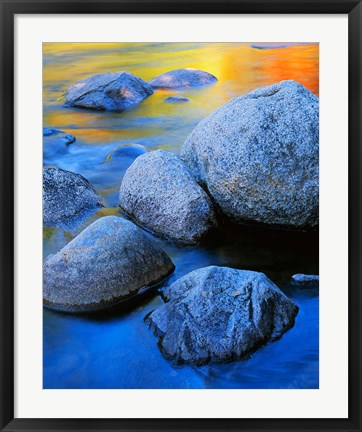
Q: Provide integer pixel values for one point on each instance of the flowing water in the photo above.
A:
(117, 350)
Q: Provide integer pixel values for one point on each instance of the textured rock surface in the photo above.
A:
(181, 78)
(105, 264)
(306, 280)
(110, 91)
(176, 99)
(159, 192)
(216, 314)
(258, 156)
(66, 197)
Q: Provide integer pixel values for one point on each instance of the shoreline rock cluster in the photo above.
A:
(254, 160)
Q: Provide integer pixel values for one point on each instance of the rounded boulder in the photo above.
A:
(217, 314)
(108, 92)
(67, 197)
(258, 156)
(107, 263)
(159, 192)
(182, 78)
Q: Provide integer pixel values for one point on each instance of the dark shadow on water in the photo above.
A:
(116, 311)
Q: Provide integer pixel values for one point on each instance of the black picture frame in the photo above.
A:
(8, 11)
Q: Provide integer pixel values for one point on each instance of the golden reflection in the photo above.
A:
(238, 67)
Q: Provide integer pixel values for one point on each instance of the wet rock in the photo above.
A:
(181, 78)
(305, 280)
(107, 263)
(258, 156)
(268, 46)
(176, 99)
(110, 91)
(127, 150)
(55, 143)
(216, 314)
(159, 192)
(58, 136)
(67, 197)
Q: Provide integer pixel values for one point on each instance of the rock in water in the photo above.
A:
(258, 156)
(127, 150)
(59, 136)
(181, 78)
(55, 144)
(66, 197)
(159, 192)
(216, 314)
(176, 99)
(110, 91)
(306, 280)
(105, 264)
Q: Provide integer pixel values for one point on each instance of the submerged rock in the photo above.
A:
(107, 263)
(127, 150)
(305, 280)
(66, 197)
(217, 314)
(55, 143)
(176, 99)
(56, 135)
(181, 78)
(258, 156)
(159, 192)
(110, 91)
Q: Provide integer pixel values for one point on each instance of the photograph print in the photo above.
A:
(181, 215)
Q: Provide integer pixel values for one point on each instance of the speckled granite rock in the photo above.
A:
(258, 156)
(66, 197)
(305, 280)
(181, 78)
(105, 264)
(217, 314)
(159, 192)
(110, 91)
(176, 99)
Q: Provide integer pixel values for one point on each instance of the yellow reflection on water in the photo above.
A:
(238, 67)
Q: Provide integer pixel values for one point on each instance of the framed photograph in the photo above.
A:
(180, 209)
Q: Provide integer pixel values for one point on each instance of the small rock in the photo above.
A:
(306, 280)
(59, 135)
(258, 156)
(204, 321)
(107, 263)
(181, 78)
(176, 99)
(159, 192)
(127, 150)
(110, 91)
(67, 197)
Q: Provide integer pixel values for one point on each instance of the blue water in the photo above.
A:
(116, 349)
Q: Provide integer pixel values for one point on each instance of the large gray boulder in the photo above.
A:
(216, 314)
(258, 156)
(67, 197)
(110, 91)
(107, 263)
(181, 78)
(159, 192)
